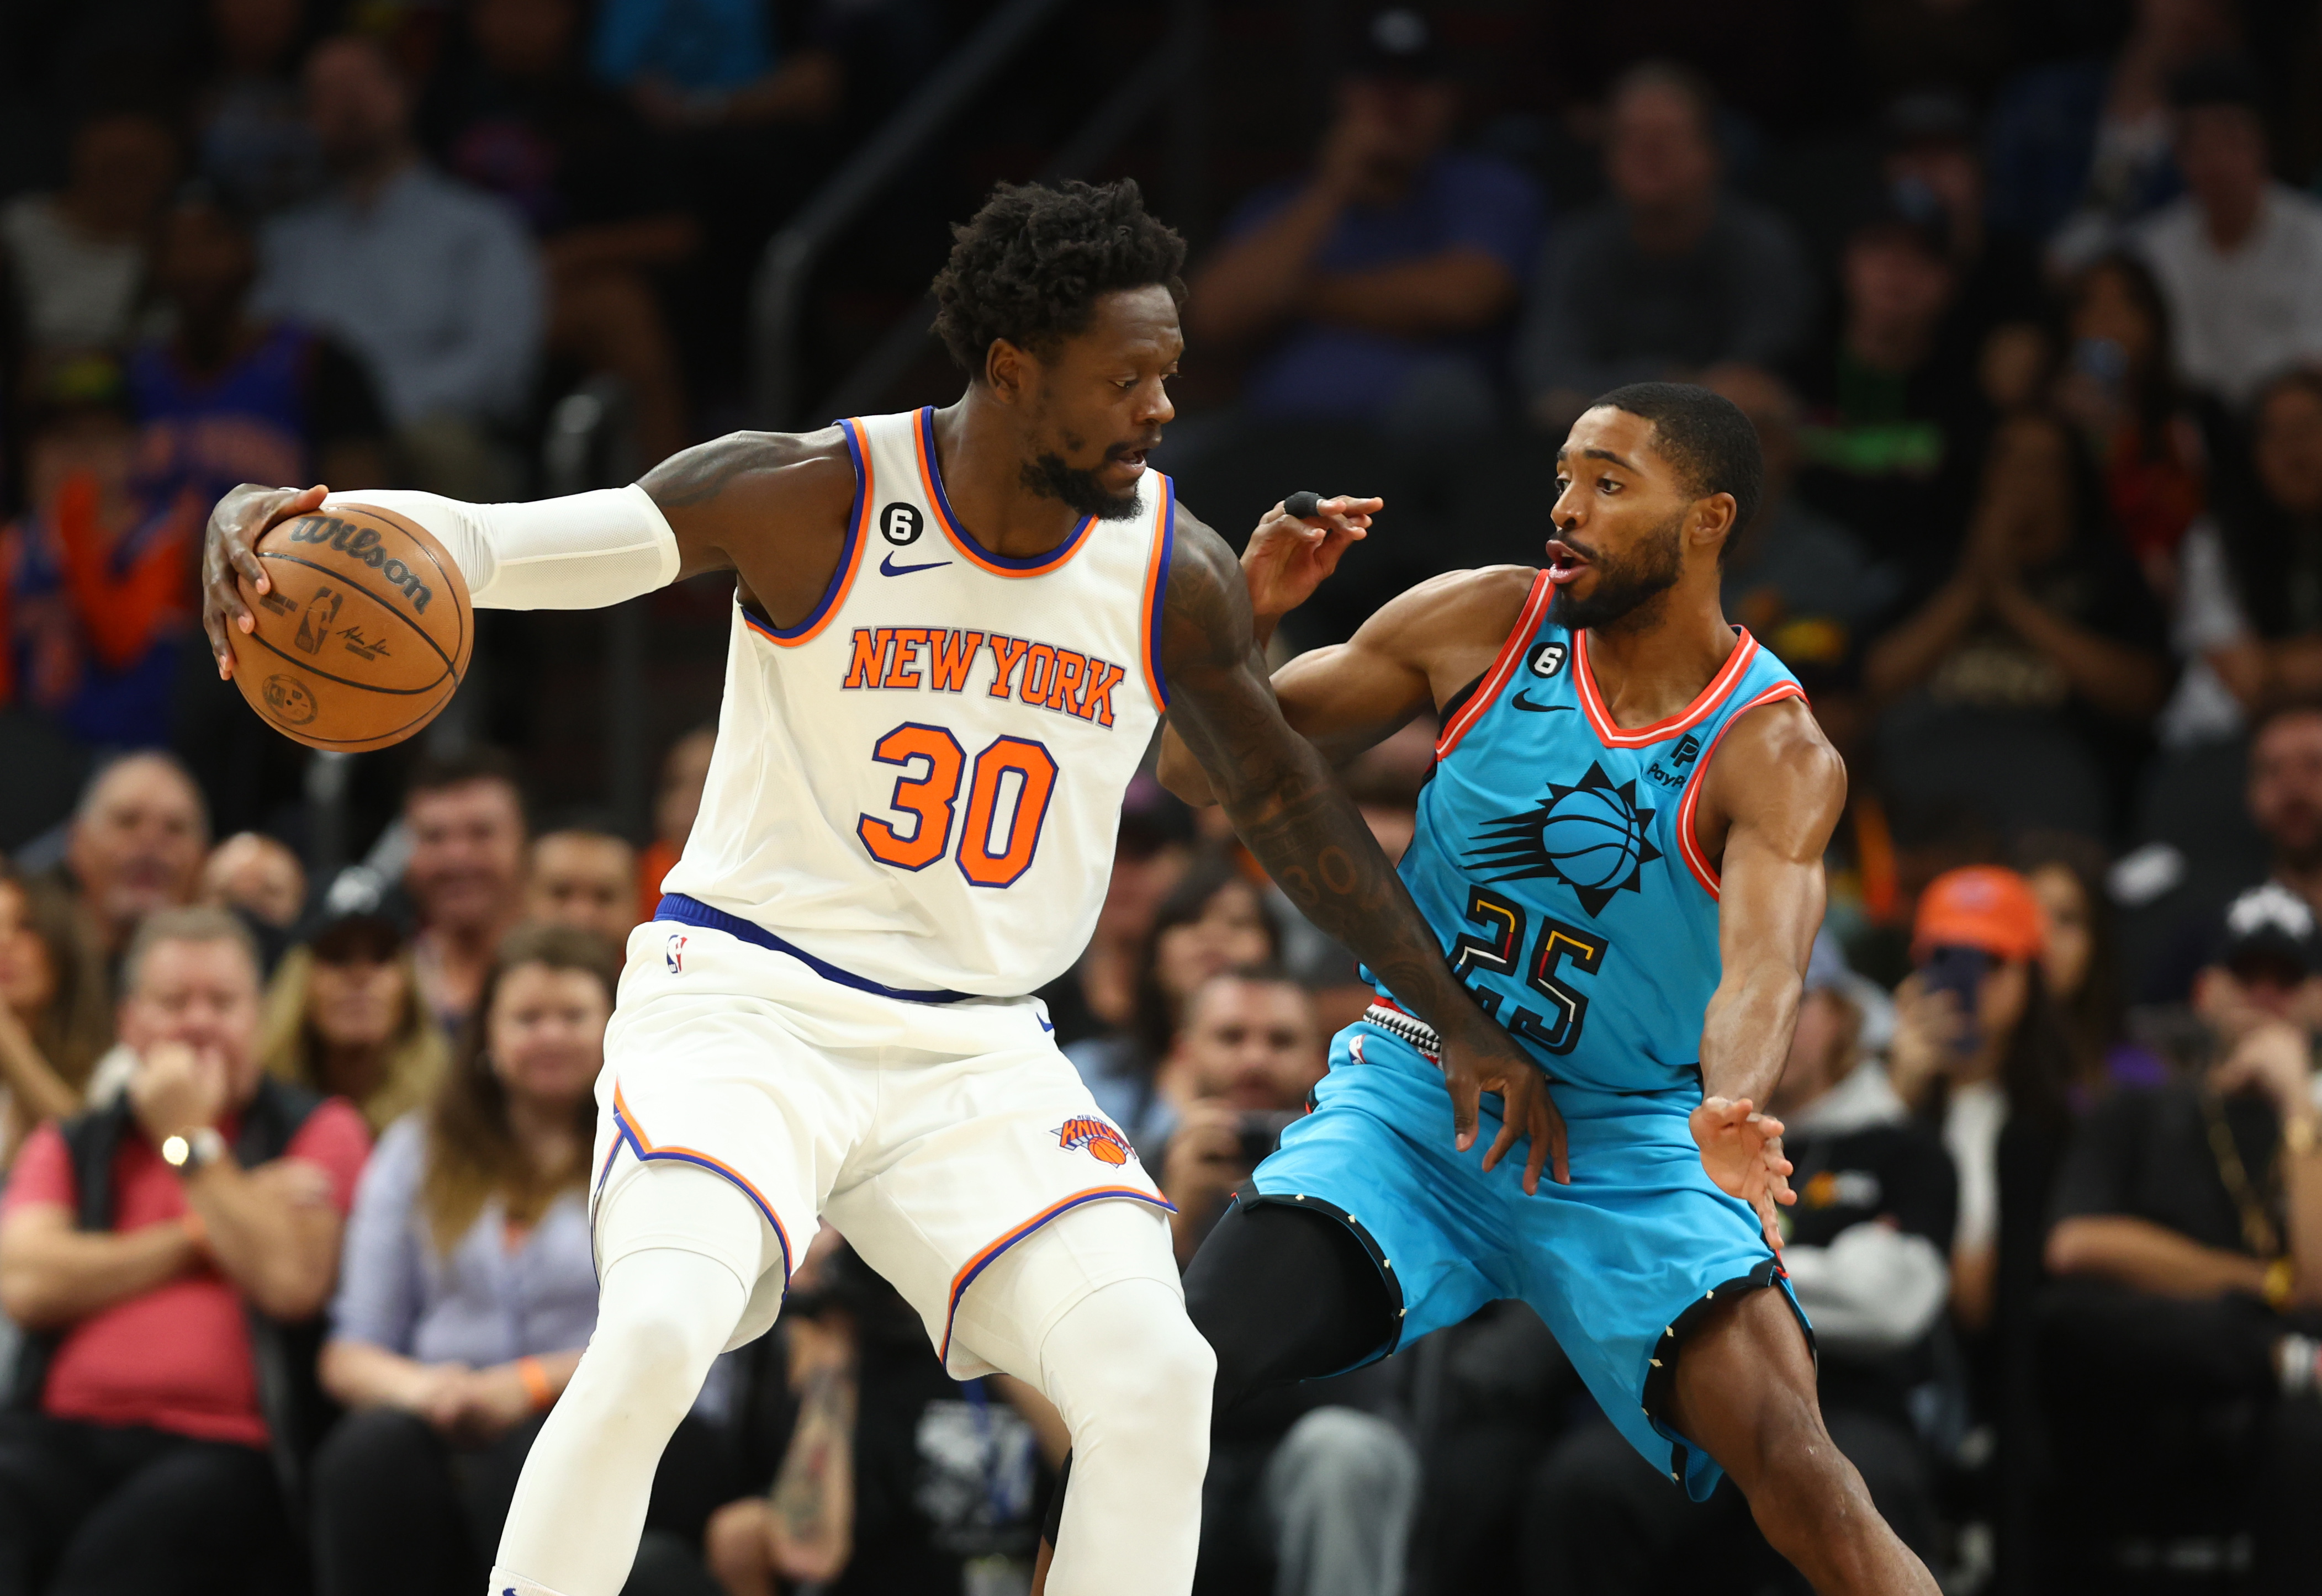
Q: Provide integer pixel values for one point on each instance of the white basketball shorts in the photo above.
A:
(932, 1135)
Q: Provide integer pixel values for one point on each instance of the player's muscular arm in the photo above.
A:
(1775, 791)
(1418, 650)
(772, 504)
(1302, 828)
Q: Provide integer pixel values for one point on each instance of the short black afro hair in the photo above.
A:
(1030, 266)
(1705, 437)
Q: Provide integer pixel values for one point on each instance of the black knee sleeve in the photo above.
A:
(1285, 1294)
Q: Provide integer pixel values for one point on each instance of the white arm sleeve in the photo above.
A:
(583, 552)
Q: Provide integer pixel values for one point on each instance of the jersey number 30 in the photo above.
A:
(1002, 828)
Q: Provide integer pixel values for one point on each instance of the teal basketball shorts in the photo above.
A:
(1617, 1263)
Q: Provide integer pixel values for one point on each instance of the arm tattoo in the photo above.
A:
(1278, 790)
(699, 475)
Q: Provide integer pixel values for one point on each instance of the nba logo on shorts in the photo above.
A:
(675, 954)
(1098, 1139)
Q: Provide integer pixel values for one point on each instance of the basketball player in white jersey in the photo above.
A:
(955, 632)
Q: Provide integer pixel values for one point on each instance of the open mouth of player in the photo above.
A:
(1564, 563)
(1131, 461)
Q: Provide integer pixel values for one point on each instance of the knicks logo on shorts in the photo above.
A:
(675, 954)
(1098, 1139)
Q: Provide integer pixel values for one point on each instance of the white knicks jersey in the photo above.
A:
(918, 785)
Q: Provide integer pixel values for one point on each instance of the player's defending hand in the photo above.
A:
(1289, 557)
(1742, 1149)
(1474, 1065)
(241, 518)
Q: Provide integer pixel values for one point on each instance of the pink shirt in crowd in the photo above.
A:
(176, 1358)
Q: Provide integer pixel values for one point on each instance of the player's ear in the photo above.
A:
(1006, 370)
(1712, 521)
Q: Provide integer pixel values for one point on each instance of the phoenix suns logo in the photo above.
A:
(1590, 836)
(1099, 1140)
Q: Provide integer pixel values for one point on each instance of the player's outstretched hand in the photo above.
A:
(1474, 1066)
(241, 517)
(1288, 558)
(1742, 1149)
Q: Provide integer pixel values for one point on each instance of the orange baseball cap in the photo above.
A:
(1980, 906)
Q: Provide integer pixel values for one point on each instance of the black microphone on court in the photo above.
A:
(1302, 505)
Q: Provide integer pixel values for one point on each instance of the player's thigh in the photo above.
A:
(1005, 1315)
(1744, 1389)
(703, 1089)
(971, 1157)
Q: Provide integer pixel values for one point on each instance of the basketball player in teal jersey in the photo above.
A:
(1620, 851)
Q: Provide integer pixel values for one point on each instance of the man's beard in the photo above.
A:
(1049, 476)
(1623, 586)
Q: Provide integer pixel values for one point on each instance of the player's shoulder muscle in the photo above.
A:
(1205, 603)
(1774, 770)
(1434, 625)
(724, 495)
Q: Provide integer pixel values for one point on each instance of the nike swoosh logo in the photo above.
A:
(1047, 1026)
(888, 567)
(1521, 702)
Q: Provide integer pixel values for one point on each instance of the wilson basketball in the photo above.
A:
(365, 634)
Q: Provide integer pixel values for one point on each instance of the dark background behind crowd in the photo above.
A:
(2025, 298)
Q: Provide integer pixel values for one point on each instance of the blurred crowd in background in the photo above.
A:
(2024, 298)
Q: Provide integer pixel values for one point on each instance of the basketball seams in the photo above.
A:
(354, 586)
(455, 582)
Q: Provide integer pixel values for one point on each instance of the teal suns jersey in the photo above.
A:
(1556, 857)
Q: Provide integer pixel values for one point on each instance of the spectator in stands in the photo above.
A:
(1982, 1055)
(886, 1474)
(465, 874)
(97, 575)
(1371, 287)
(436, 286)
(1149, 854)
(1798, 580)
(257, 877)
(77, 257)
(225, 399)
(1215, 918)
(1671, 275)
(583, 875)
(2120, 389)
(1980, 1051)
(136, 844)
(520, 119)
(1934, 155)
(2024, 677)
(53, 1023)
(2087, 142)
(2240, 255)
(1325, 1494)
(753, 116)
(470, 1289)
(696, 69)
(163, 1302)
(2080, 962)
(1867, 1248)
(343, 1014)
(2188, 1248)
(1895, 422)
(2285, 796)
(253, 138)
(1248, 1052)
(2249, 619)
